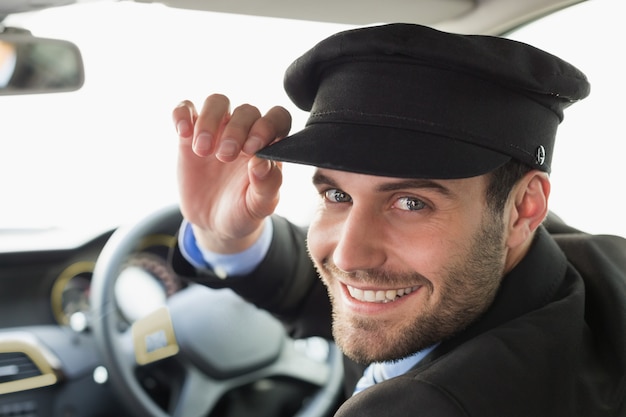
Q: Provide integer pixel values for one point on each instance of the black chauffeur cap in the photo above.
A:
(408, 101)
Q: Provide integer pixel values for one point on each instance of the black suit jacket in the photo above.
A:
(553, 343)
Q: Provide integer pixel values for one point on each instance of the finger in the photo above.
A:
(265, 180)
(184, 116)
(275, 125)
(236, 132)
(215, 112)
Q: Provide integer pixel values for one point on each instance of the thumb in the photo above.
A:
(265, 178)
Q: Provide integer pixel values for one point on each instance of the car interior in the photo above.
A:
(93, 320)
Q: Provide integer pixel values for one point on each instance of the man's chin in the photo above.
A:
(361, 341)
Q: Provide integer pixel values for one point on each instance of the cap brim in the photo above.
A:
(384, 151)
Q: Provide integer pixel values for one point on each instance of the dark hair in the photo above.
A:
(501, 182)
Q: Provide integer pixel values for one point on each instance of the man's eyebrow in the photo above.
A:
(321, 179)
(414, 183)
(400, 184)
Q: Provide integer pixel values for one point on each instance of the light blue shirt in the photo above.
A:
(380, 371)
(222, 265)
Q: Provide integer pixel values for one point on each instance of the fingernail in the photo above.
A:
(252, 145)
(202, 143)
(227, 148)
(182, 127)
(261, 167)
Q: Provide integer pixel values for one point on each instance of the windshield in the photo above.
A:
(106, 154)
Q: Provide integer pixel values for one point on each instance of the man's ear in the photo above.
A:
(528, 207)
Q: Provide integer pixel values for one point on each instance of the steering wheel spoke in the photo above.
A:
(153, 337)
(198, 395)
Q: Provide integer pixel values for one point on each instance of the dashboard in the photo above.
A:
(53, 287)
(49, 361)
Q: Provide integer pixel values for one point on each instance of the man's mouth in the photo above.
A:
(379, 296)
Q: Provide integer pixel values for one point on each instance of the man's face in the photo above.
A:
(407, 263)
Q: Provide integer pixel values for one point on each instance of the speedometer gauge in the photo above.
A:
(70, 293)
(144, 284)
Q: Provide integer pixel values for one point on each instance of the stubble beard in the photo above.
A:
(468, 287)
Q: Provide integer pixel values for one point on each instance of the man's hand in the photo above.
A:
(226, 192)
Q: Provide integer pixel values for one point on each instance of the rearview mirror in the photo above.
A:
(30, 65)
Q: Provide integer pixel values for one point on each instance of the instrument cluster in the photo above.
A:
(144, 284)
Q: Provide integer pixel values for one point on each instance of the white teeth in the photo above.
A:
(380, 296)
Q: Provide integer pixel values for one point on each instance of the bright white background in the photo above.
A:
(589, 168)
(106, 154)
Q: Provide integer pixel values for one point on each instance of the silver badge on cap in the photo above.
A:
(540, 155)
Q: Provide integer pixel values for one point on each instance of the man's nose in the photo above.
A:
(360, 243)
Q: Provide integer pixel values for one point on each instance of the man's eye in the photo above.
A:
(410, 204)
(337, 196)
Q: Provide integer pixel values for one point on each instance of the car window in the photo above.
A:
(106, 154)
(588, 166)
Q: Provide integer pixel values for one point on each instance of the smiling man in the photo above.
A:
(409, 262)
(432, 153)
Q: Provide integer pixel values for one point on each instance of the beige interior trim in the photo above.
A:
(47, 363)
(153, 337)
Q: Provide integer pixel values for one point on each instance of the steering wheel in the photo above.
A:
(220, 341)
